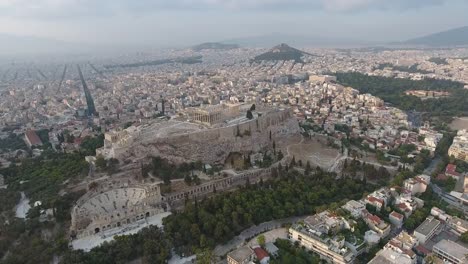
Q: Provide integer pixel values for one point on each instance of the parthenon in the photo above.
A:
(214, 114)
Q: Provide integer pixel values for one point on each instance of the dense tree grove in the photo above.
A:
(392, 90)
(89, 145)
(219, 219)
(12, 142)
(42, 178)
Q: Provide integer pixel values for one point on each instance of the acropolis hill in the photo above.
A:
(208, 135)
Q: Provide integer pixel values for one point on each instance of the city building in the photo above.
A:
(379, 198)
(261, 255)
(271, 249)
(396, 219)
(320, 233)
(397, 251)
(371, 237)
(459, 225)
(459, 148)
(440, 214)
(376, 224)
(32, 139)
(322, 78)
(417, 184)
(427, 229)
(392, 256)
(242, 255)
(451, 252)
(451, 170)
(355, 208)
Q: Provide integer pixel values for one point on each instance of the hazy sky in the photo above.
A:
(168, 22)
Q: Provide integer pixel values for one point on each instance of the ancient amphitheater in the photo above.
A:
(114, 204)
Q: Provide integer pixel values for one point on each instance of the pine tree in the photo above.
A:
(293, 162)
(249, 115)
(307, 168)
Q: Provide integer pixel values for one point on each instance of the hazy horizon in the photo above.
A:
(186, 22)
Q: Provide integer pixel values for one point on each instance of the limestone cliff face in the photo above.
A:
(214, 145)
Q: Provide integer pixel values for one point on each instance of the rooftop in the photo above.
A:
(396, 215)
(260, 253)
(241, 254)
(452, 248)
(428, 226)
(33, 138)
(389, 256)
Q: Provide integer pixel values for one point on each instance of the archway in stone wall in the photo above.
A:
(147, 214)
(97, 230)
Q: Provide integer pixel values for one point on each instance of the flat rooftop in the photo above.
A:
(241, 254)
(451, 248)
(428, 226)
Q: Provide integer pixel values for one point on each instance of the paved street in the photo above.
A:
(222, 250)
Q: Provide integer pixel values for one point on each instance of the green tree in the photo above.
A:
(101, 163)
(249, 115)
(261, 240)
(464, 237)
(205, 256)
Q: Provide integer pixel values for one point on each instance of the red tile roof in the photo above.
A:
(403, 207)
(396, 215)
(423, 250)
(33, 138)
(372, 199)
(260, 253)
(374, 218)
(442, 177)
(451, 169)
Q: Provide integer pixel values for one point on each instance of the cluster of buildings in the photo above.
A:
(335, 239)
(332, 237)
(254, 254)
(459, 148)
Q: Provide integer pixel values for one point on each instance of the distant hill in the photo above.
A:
(282, 52)
(453, 37)
(295, 40)
(214, 46)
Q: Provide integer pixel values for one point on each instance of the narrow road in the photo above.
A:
(89, 98)
(237, 241)
(63, 77)
(97, 71)
(433, 166)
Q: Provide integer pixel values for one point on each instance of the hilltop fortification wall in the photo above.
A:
(211, 145)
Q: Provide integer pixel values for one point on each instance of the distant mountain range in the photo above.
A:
(214, 46)
(453, 37)
(27, 45)
(282, 52)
